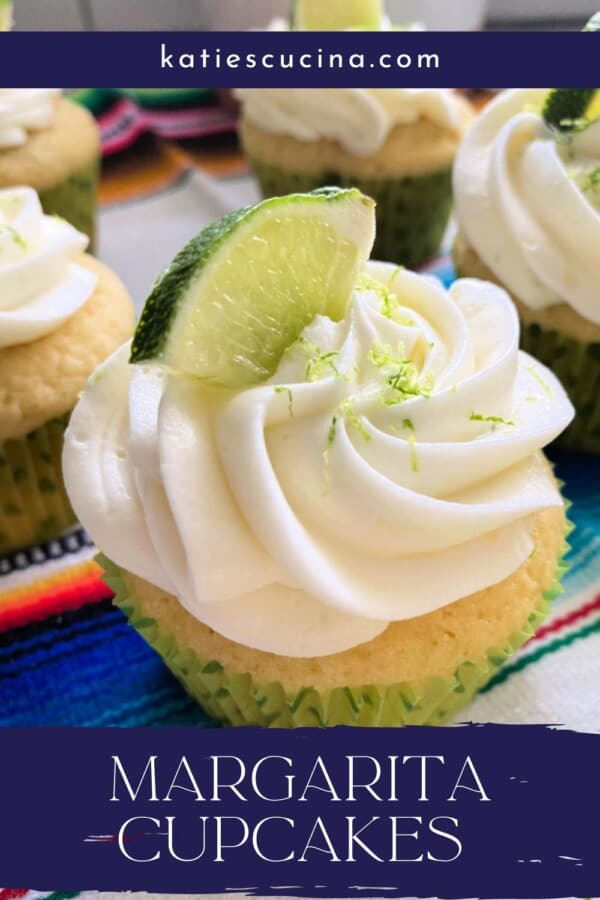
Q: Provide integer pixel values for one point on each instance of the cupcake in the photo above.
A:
(396, 145)
(61, 313)
(52, 145)
(527, 191)
(248, 467)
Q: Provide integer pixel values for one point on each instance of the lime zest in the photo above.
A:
(15, 236)
(403, 379)
(280, 389)
(344, 411)
(589, 182)
(388, 299)
(347, 411)
(493, 420)
(541, 381)
(320, 362)
(412, 443)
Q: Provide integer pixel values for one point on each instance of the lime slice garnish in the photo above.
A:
(243, 290)
(570, 109)
(337, 15)
(566, 109)
(6, 8)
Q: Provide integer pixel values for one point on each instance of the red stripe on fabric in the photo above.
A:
(565, 621)
(54, 600)
(124, 123)
(12, 893)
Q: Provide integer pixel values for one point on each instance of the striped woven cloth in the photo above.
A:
(67, 657)
(92, 895)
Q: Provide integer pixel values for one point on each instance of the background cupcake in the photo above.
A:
(527, 191)
(53, 145)
(395, 401)
(396, 145)
(61, 313)
(5, 14)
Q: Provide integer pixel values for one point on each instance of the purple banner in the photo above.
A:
(299, 59)
(486, 811)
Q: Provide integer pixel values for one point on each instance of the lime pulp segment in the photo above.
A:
(240, 293)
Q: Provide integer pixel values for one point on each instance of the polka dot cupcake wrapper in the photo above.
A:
(577, 365)
(33, 503)
(76, 199)
(234, 698)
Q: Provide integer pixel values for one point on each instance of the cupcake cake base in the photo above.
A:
(561, 339)
(41, 382)
(418, 672)
(34, 506)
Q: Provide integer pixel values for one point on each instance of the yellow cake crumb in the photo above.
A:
(42, 380)
(50, 156)
(416, 149)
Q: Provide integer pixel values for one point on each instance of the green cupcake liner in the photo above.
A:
(236, 699)
(76, 199)
(412, 212)
(577, 365)
(33, 502)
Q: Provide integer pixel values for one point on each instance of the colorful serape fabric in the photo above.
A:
(124, 115)
(92, 895)
(68, 657)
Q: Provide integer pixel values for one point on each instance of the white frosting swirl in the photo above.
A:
(23, 110)
(528, 201)
(360, 119)
(40, 285)
(389, 468)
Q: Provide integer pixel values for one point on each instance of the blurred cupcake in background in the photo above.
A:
(5, 15)
(527, 189)
(61, 313)
(397, 145)
(53, 145)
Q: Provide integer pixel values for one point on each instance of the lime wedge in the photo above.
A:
(5, 15)
(570, 109)
(244, 289)
(336, 15)
(566, 109)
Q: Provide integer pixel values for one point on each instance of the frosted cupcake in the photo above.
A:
(396, 145)
(61, 313)
(52, 145)
(249, 464)
(527, 189)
